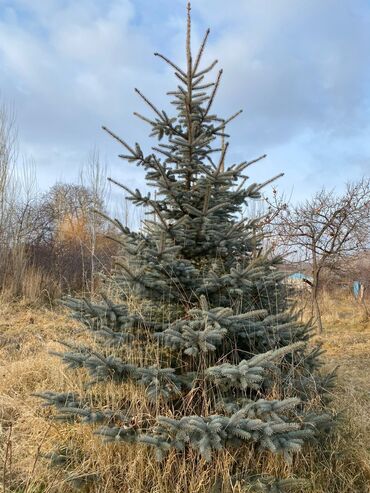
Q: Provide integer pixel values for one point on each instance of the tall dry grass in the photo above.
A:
(340, 465)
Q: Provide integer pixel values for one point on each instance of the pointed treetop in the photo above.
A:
(188, 38)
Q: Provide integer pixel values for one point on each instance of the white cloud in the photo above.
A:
(301, 71)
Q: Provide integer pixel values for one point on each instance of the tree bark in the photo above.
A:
(316, 308)
(315, 291)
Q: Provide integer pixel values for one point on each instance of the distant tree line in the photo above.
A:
(52, 242)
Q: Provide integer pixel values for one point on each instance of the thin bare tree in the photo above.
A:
(93, 176)
(8, 154)
(326, 229)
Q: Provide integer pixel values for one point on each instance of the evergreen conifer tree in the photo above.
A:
(222, 357)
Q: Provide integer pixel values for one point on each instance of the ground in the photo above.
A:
(27, 334)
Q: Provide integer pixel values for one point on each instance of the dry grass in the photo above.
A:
(345, 465)
(341, 465)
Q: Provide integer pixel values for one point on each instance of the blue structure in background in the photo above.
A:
(356, 288)
(299, 276)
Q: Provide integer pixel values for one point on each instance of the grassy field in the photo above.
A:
(27, 334)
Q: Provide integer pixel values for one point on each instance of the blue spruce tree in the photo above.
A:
(221, 355)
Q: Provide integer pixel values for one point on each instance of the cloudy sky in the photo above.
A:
(300, 69)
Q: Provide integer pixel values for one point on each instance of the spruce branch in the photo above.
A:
(205, 71)
(121, 141)
(213, 94)
(150, 104)
(227, 120)
(172, 64)
(271, 180)
(200, 52)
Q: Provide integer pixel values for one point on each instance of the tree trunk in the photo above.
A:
(316, 308)
(315, 291)
(362, 301)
